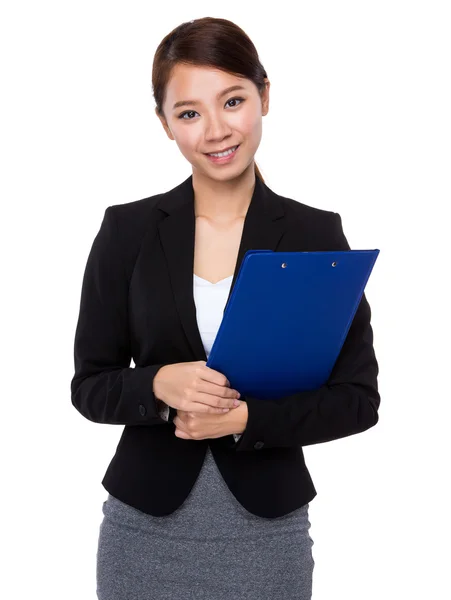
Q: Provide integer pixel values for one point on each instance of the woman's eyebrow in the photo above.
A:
(232, 88)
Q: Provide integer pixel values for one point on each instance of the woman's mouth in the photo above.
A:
(224, 157)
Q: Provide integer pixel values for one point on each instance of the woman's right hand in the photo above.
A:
(194, 387)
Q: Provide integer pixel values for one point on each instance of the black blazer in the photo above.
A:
(137, 302)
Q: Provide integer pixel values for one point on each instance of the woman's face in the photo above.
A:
(213, 120)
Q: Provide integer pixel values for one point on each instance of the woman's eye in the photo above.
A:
(187, 112)
(234, 99)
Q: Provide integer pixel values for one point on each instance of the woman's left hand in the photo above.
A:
(199, 426)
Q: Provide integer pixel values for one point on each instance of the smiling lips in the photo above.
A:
(225, 156)
(222, 151)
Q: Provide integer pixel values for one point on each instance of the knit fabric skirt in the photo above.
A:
(210, 548)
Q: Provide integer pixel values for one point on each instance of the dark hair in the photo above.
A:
(206, 42)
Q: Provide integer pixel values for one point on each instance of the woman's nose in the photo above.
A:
(217, 129)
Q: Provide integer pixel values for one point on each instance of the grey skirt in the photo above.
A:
(210, 548)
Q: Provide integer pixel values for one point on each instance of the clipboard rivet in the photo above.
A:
(284, 265)
(334, 264)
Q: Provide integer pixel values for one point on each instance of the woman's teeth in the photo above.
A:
(226, 153)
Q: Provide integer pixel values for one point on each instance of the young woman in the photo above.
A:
(206, 499)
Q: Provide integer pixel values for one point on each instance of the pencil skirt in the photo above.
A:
(210, 548)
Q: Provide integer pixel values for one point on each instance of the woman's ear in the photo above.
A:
(165, 124)
(265, 98)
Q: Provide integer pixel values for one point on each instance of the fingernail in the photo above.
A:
(225, 409)
(236, 402)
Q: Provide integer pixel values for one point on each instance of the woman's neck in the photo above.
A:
(223, 201)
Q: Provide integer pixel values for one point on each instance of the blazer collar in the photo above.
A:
(264, 226)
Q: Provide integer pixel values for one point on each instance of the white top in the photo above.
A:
(210, 300)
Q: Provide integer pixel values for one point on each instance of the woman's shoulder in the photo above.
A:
(297, 211)
(135, 210)
(128, 224)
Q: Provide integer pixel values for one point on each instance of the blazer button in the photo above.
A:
(258, 445)
(142, 409)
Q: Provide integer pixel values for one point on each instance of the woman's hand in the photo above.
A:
(194, 387)
(200, 426)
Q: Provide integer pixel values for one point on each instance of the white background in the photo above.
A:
(359, 123)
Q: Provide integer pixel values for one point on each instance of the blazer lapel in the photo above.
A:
(264, 226)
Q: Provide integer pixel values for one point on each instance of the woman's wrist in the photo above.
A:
(238, 417)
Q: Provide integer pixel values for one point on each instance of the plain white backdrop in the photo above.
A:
(359, 123)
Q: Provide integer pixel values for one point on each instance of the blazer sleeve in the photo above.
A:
(347, 404)
(104, 388)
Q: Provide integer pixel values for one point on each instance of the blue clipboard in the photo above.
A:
(287, 318)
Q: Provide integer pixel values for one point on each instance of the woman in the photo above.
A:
(206, 499)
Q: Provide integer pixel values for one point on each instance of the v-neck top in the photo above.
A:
(210, 299)
(201, 279)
